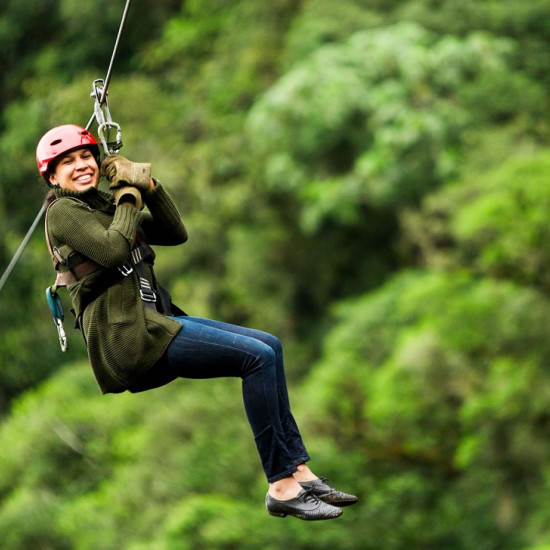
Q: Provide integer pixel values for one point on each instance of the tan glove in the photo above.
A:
(122, 172)
(128, 194)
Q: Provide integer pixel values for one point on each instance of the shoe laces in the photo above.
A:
(325, 481)
(309, 496)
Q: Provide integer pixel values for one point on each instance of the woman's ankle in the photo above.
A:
(284, 489)
(303, 473)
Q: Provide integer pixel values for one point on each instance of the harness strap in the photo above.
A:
(152, 295)
(141, 252)
(146, 292)
(61, 255)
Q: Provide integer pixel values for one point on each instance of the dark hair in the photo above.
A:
(94, 149)
(49, 198)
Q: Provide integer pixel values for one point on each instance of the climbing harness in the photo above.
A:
(72, 267)
(63, 278)
(154, 296)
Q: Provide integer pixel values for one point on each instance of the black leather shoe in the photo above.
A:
(304, 506)
(320, 488)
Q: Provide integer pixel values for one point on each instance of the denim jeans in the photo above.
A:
(211, 349)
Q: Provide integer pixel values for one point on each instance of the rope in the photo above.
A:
(27, 237)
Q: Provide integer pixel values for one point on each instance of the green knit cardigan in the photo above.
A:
(124, 338)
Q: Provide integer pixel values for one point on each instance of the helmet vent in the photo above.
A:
(55, 141)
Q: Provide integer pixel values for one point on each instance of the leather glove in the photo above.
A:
(123, 172)
(128, 194)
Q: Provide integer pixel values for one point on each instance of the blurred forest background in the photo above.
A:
(367, 179)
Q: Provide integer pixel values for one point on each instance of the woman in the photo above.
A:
(136, 338)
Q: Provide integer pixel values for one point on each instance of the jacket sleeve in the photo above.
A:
(162, 225)
(76, 225)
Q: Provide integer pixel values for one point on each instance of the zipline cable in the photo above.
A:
(22, 246)
(115, 48)
(102, 100)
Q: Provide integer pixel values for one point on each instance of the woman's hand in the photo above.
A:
(123, 172)
(128, 195)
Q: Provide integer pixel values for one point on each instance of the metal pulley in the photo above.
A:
(105, 123)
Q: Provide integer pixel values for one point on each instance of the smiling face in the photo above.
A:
(76, 170)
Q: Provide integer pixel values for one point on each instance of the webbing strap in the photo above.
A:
(77, 272)
(158, 300)
(151, 297)
(146, 291)
(154, 296)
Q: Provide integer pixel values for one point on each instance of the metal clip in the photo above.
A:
(126, 269)
(147, 295)
(110, 147)
(56, 309)
(104, 121)
(61, 334)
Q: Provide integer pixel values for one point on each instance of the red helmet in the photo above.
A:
(61, 139)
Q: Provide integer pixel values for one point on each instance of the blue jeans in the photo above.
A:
(211, 349)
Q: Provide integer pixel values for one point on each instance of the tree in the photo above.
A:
(439, 382)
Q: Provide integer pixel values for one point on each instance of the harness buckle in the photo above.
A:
(126, 269)
(147, 295)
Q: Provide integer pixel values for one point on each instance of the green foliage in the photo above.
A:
(495, 225)
(378, 119)
(86, 454)
(323, 21)
(526, 22)
(45, 40)
(443, 390)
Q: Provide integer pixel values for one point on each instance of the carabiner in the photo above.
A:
(56, 309)
(104, 121)
(110, 147)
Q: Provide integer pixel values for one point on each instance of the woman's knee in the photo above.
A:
(267, 354)
(264, 358)
(274, 343)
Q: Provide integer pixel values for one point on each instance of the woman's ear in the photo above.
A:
(52, 181)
